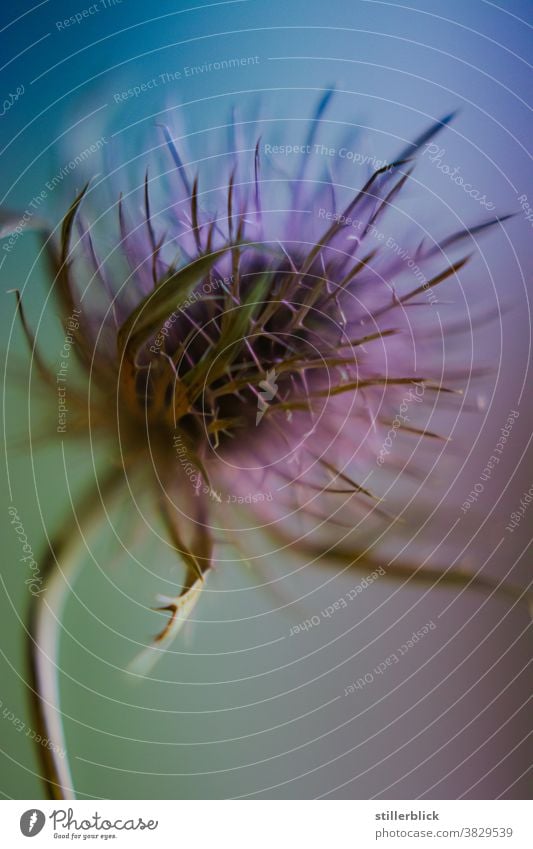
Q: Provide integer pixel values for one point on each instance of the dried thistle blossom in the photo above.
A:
(251, 363)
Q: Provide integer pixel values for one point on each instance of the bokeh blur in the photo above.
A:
(239, 706)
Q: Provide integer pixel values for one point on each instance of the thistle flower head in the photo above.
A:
(252, 361)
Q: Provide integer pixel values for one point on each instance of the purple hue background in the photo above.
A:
(240, 707)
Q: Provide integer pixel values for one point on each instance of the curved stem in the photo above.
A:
(60, 568)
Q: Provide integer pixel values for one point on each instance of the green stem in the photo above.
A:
(60, 568)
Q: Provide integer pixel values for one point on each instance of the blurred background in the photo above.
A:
(239, 707)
